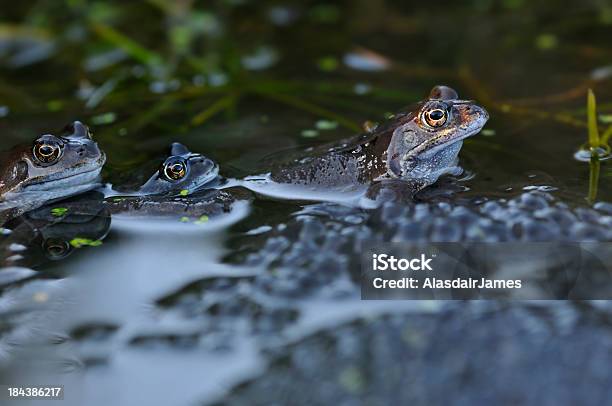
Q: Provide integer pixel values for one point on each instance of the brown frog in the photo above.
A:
(417, 146)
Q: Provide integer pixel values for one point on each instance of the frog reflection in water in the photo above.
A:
(186, 184)
(50, 169)
(417, 147)
(54, 231)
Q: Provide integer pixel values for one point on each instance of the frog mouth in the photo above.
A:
(72, 180)
(37, 194)
(76, 176)
(434, 146)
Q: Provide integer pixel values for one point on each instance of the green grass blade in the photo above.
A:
(592, 120)
(128, 45)
(212, 110)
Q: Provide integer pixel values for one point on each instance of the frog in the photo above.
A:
(186, 185)
(417, 146)
(51, 168)
(183, 172)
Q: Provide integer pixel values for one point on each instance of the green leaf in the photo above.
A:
(184, 192)
(310, 133)
(104, 119)
(328, 64)
(605, 118)
(546, 42)
(84, 242)
(59, 211)
(202, 220)
(487, 132)
(326, 125)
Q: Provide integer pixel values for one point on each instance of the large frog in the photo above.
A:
(417, 146)
(185, 185)
(51, 168)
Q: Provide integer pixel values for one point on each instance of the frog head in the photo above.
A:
(182, 171)
(427, 145)
(51, 168)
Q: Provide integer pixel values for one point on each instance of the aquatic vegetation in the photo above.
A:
(597, 144)
(597, 147)
(84, 242)
(59, 211)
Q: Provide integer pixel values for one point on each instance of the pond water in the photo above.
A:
(183, 313)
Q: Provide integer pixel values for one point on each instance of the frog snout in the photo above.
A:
(485, 113)
(473, 114)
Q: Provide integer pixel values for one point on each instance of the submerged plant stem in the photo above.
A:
(594, 168)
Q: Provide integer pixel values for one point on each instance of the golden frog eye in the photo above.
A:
(175, 170)
(47, 151)
(435, 117)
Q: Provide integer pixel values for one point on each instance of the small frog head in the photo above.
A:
(427, 145)
(182, 172)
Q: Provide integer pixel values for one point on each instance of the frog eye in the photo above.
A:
(435, 117)
(175, 169)
(56, 249)
(47, 151)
